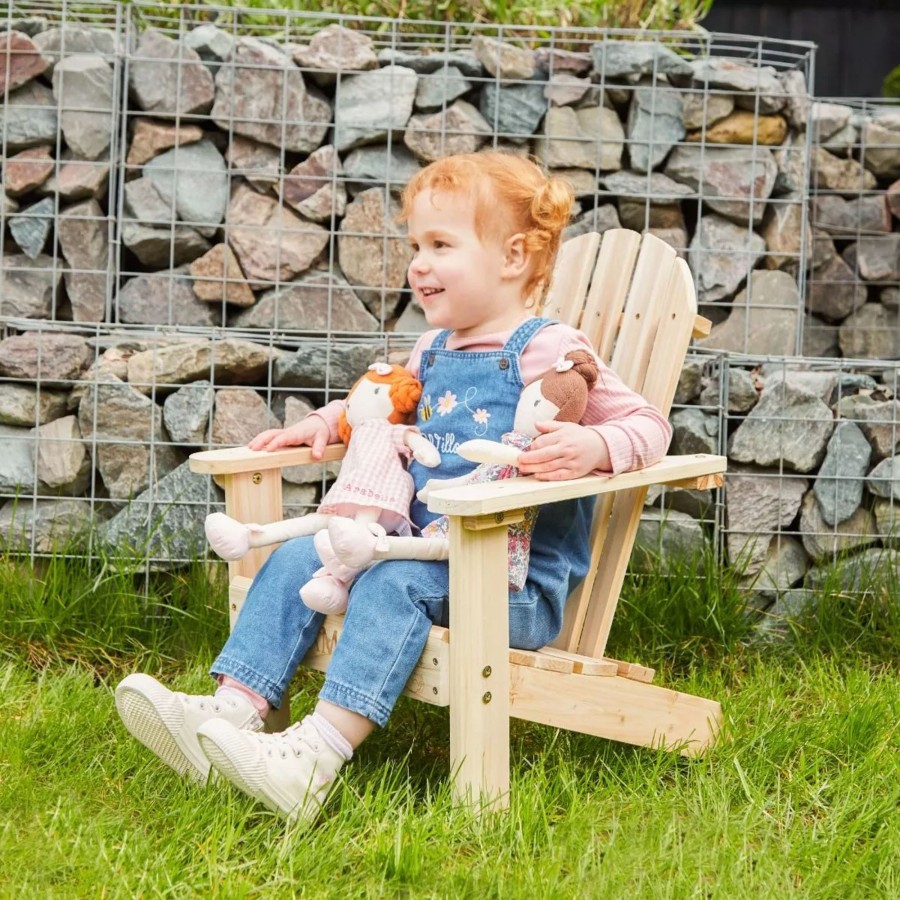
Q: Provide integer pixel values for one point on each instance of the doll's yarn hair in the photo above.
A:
(511, 195)
(405, 392)
(569, 390)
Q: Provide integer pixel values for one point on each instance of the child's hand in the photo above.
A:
(563, 450)
(311, 431)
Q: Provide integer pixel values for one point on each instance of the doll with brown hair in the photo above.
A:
(560, 394)
(373, 487)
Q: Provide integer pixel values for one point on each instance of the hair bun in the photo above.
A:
(585, 364)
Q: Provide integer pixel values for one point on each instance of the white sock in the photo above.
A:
(331, 736)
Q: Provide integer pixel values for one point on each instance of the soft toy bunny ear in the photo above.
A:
(381, 368)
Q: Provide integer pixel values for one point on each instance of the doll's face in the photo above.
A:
(368, 400)
(533, 407)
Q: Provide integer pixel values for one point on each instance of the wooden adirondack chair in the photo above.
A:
(636, 302)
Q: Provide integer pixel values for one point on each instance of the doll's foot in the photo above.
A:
(325, 594)
(229, 538)
(353, 543)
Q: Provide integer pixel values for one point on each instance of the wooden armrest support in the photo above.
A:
(514, 493)
(233, 460)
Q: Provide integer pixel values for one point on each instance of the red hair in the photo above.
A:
(511, 195)
(404, 393)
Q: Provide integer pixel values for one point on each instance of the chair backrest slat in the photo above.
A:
(641, 309)
(571, 277)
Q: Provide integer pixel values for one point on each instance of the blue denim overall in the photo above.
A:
(395, 602)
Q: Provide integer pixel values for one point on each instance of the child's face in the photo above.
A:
(459, 280)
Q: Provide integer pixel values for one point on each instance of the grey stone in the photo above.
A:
(788, 425)
(823, 541)
(665, 536)
(373, 251)
(844, 176)
(131, 443)
(833, 291)
(879, 421)
(49, 526)
(887, 520)
(652, 186)
(319, 365)
(871, 332)
(261, 94)
(83, 232)
(63, 461)
(839, 484)
(564, 89)
(167, 78)
(272, 244)
(337, 49)
(742, 393)
(78, 179)
(425, 63)
(186, 413)
(44, 356)
(849, 218)
(28, 118)
(17, 460)
(759, 505)
(24, 405)
(458, 129)
(239, 414)
(826, 119)
(163, 298)
(854, 574)
(782, 229)
(764, 318)
(83, 88)
(735, 182)
(599, 219)
(164, 524)
(503, 60)
(844, 141)
(588, 138)
(785, 564)
(158, 248)
(878, 257)
(297, 499)
(229, 360)
(372, 105)
(689, 382)
(721, 256)
(515, 110)
(212, 44)
(820, 384)
(851, 383)
(317, 301)
(618, 59)
(259, 164)
(655, 123)
(756, 86)
(552, 59)
(56, 42)
(31, 226)
(411, 320)
(790, 158)
(195, 179)
(884, 480)
(704, 108)
(881, 139)
(798, 101)
(374, 166)
(694, 431)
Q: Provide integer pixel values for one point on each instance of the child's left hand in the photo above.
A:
(564, 450)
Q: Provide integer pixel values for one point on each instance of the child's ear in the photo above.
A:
(515, 257)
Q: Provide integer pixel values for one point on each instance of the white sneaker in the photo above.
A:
(291, 772)
(166, 721)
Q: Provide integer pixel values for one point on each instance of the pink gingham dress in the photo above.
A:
(373, 474)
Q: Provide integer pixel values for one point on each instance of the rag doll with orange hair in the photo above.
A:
(373, 487)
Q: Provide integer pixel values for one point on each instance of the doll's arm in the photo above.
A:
(423, 450)
(492, 452)
(232, 540)
(435, 484)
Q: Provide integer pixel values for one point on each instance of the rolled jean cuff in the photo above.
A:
(257, 682)
(349, 698)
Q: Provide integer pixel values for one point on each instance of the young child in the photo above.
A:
(485, 229)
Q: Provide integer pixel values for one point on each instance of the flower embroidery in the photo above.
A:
(446, 404)
(481, 416)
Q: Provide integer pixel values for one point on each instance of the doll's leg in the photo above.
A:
(231, 539)
(359, 545)
(328, 589)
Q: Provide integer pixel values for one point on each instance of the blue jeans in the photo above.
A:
(392, 607)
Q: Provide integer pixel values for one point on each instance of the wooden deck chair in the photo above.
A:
(635, 300)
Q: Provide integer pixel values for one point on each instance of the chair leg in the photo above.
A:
(479, 662)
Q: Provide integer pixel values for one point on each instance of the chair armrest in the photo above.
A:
(233, 460)
(515, 493)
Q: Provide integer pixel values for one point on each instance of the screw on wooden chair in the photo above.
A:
(499, 517)
(256, 477)
(486, 697)
(434, 660)
(434, 690)
(486, 671)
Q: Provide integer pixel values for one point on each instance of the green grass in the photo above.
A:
(799, 799)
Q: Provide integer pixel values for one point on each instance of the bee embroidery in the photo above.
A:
(425, 408)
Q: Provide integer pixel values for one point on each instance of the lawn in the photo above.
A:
(799, 799)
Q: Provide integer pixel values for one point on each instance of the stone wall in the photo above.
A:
(217, 247)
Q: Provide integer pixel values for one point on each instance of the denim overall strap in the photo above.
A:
(466, 394)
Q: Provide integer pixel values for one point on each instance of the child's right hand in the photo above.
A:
(311, 431)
